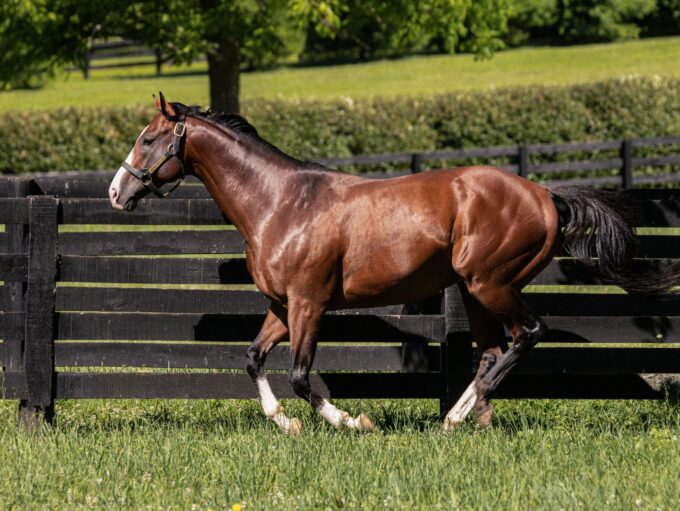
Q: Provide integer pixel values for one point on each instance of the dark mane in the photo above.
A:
(235, 123)
(232, 121)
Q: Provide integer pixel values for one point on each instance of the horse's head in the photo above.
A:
(156, 161)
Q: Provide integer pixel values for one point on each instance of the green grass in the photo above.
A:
(211, 455)
(415, 76)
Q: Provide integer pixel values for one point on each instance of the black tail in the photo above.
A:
(600, 224)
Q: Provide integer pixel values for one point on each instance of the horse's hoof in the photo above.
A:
(365, 423)
(485, 419)
(294, 427)
(450, 424)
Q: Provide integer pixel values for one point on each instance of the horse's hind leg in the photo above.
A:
(489, 335)
(304, 318)
(273, 331)
(506, 304)
(524, 324)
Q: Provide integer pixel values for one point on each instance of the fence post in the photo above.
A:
(38, 353)
(523, 161)
(15, 292)
(627, 164)
(456, 355)
(416, 162)
(415, 354)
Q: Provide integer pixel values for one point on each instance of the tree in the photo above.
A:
(232, 33)
(569, 21)
(356, 29)
(38, 36)
(599, 21)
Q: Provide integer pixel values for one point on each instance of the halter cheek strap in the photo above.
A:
(174, 151)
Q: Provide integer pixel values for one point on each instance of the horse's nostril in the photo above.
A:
(114, 193)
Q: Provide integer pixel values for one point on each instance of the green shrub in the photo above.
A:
(99, 138)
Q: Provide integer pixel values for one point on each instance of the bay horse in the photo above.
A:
(320, 240)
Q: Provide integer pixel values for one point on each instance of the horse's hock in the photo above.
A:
(162, 298)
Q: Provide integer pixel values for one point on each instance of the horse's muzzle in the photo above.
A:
(113, 195)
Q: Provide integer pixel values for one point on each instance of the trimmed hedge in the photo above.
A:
(100, 138)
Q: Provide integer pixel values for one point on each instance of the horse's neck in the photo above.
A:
(243, 177)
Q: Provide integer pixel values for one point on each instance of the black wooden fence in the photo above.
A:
(616, 158)
(119, 54)
(169, 312)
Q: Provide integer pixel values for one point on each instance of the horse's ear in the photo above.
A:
(164, 106)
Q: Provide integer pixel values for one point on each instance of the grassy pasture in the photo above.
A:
(412, 76)
(212, 455)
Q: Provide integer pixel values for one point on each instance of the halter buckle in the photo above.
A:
(179, 130)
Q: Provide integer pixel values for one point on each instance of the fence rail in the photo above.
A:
(100, 52)
(624, 163)
(78, 298)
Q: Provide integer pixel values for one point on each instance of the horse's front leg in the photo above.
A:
(304, 318)
(273, 331)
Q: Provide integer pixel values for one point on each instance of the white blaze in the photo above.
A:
(116, 183)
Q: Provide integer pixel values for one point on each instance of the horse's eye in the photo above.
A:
(148, 141)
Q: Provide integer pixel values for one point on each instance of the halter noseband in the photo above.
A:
(174, 151)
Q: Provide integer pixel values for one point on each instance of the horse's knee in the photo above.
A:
(299, 380)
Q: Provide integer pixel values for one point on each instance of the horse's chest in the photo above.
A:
(267, 280)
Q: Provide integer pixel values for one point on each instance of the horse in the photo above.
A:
(319, 240)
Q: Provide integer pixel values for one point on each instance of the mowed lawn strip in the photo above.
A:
(211, 455)
(411, 76)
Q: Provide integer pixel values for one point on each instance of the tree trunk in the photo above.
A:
(224, 73)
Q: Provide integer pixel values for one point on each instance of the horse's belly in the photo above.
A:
(387, 282)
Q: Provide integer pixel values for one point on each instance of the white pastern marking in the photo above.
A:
(272, 408)
(270, 405)
(462, 408)
(331, 413)
(338, 417)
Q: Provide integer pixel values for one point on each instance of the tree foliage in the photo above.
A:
(580, 21)
(356, 29)
(38, 36)
(596, 20)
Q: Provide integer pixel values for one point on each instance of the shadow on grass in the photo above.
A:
(595, 416)
(512, 418)
(233, 416)
(164, 76)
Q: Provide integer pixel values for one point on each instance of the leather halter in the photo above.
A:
(174, 151)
